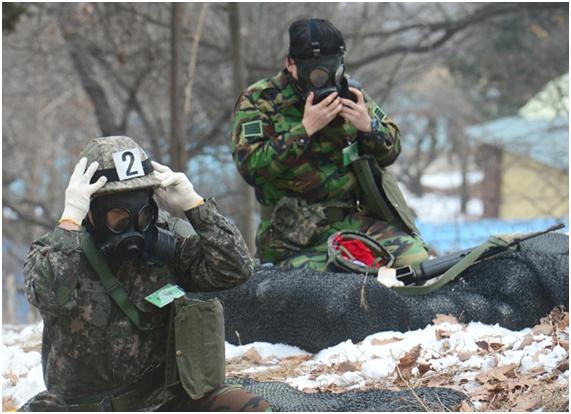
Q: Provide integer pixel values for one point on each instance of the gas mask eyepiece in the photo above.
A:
(322, 75)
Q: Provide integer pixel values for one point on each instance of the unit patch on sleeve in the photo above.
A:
(377, 113)
(252, 129)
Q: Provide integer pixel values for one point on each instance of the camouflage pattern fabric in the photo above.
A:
(274, 155)
(102, 149)
(89, 345)
(407, 249)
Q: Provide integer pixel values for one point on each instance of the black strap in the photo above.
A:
(112, 176)
(314, 37)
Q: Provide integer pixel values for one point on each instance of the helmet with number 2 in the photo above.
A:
(124, 163)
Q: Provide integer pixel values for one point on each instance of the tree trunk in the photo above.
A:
(246, 221)
(177, 147)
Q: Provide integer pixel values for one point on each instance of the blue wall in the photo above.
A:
(449, 237)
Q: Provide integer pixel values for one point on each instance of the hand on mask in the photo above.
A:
(79, 191)
(176, 191)
(356, 112)
(316, 117)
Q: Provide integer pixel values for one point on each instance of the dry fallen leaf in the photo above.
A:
(527, 403)
(527, 340)
(423, 369)
(441, 334)
(480, 394)
(466, 407)
(565, 344)
(376, 341)
(563, 366)
(292, 359)
(543, 329)
(465, 356)
(347, 366)
(252, 355)
(484, 345)
(407, 363)
(8, 404)
(564, 323)
(409, 359)
(10, 376)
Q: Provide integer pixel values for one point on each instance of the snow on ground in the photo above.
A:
(450, 179)
(491, 364)
(21, 364)
(435, 208)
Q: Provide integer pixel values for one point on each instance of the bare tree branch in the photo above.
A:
(193, 58)
(448, 27)
(102, 107)
(26, 216)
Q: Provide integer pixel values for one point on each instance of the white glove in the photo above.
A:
(79, 190)
(176, 191)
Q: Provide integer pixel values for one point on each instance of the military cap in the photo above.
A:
(124, 163)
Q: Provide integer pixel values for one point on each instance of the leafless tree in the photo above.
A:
(77, 70)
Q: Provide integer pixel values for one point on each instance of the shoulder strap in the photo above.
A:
(110, 282)
(373, 198)
(454, 271)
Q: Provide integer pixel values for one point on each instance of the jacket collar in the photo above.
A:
(288, 93)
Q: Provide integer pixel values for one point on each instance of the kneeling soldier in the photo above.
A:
(120, 332)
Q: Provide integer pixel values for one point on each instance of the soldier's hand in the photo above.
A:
(176, 191)
(356, 112)
(316, 117)
(79, 191)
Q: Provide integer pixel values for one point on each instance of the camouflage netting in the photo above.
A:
(285, 398)
(317, 310)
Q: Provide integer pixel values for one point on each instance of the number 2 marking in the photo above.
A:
(131, 161)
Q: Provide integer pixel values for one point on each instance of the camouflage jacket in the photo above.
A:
(274, 154)
(89, 344)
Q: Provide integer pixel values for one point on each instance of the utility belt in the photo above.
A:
(126, 398)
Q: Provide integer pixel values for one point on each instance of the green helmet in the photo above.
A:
(124, 163)
(341, 259)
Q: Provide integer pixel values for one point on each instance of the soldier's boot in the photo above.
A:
(229, 398)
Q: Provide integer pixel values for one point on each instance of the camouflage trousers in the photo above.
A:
(226, 397)
(271, 248)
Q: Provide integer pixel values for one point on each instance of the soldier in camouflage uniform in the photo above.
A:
(290, 149)
(94, 357)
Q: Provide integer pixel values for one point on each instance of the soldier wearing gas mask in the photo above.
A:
(315, 147)
(106, 281)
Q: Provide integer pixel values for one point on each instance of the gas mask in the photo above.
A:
(124, 225)
(323, 74)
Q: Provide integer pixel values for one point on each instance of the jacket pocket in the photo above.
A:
(199, 345)
(297, 223)
(94, 304)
